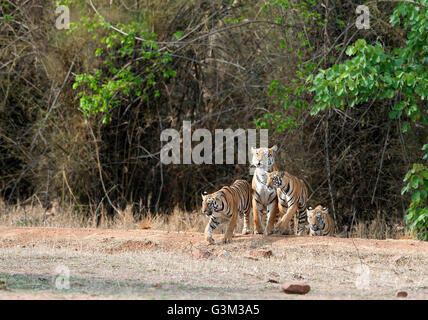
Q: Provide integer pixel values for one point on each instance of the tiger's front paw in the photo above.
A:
(227, 240)
(269, 230)
(245, 231)
(277, 230)
(283, 232)
(210, 240)
(258, 232)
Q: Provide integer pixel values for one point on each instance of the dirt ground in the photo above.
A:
(35, 263)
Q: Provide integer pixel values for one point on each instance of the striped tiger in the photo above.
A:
(227, 204)
(263, 197)
(320, 222)
(292, 196)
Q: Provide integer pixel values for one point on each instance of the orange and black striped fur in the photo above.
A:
(320, 222)
(264, 198)
(227, 204)
(292, 196)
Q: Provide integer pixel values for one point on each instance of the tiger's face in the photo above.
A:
(274, 179)
(212, 203)
(264, 158)
(317, 217)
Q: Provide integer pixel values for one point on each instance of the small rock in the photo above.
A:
(3, 285)
(156, 285)
(297, 276)
(225, 254)
(261, 253)
(400, 260)
(401, 294)
(272, 281)
(296, 288)
(200, 253)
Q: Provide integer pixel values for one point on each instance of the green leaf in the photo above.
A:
(178, 34)
(416, 196)
(406, 126)
(98, 52)
(351, 50)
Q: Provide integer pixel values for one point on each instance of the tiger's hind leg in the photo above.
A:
(245, 229)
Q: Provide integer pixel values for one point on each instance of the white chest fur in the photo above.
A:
(264, 192)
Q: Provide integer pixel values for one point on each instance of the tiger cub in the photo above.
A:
(227, 204)
(292, 196)
(320, 222)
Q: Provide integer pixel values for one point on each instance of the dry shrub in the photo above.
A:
(146, 222)
(180, 220)
(379, 228)
(34, 214)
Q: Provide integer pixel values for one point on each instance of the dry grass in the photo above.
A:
(56, 216)
(34, 215)
(379, 228)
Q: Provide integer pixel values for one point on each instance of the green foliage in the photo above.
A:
(5, 11)
(178, 34)
(133, 65)
(374, 73)
(399, 76)
(302, 8)
(417, 214)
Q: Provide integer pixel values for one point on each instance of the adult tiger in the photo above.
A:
(292, 196)
(320, 222)
(264, 198)
(227, 204)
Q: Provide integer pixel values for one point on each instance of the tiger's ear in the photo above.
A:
(204, 195)
(219, 194)
(309, 208)
(325, 209)
(274, 148)
(253, 149)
